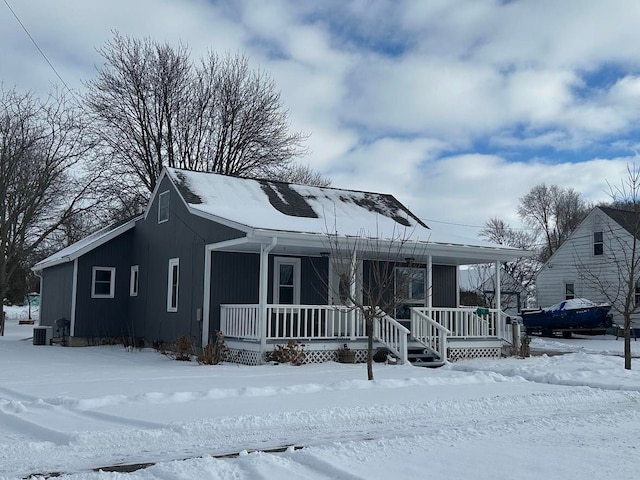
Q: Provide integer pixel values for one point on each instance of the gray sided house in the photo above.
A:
(262, 262)
(587, 261)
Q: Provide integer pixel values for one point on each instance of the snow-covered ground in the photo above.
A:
(72, 410)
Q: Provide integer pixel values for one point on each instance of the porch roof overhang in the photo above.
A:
(302, 244)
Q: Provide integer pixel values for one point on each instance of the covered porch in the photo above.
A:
(427, 321)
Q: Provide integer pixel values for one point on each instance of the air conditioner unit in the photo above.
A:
(42, 335)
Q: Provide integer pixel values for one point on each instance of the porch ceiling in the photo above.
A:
(313, 245)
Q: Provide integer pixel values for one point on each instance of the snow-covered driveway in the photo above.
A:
(73, 410)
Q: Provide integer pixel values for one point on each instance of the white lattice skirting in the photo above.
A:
(474, 352)
(243, 357)
(252, 357)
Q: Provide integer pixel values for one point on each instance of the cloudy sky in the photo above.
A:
(457, 107)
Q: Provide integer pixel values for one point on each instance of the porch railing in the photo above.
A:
(468, 322)
(292, 322)
(314, 322)
(430, 333)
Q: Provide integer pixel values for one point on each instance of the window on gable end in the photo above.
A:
(598, 243)
(163, 207)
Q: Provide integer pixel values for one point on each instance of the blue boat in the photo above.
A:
(576, 315)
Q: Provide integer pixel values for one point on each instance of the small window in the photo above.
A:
(163, 207)
(133, 282)
(569, 291)
(172, 284)
(103, 282)
(598, 243)
(637, 293)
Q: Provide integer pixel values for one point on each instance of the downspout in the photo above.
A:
(263, 290)
(430, 285)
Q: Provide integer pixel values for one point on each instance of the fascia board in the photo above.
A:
(88, 247)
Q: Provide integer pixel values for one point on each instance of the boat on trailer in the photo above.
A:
(577, 315)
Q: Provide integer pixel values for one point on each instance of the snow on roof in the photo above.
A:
(271, 205)
(88, 243)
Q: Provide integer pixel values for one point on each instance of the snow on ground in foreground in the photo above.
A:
(70, 410)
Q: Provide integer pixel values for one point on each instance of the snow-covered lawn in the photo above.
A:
(72, 410)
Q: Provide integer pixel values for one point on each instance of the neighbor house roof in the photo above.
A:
(87, 244)
(626, 218)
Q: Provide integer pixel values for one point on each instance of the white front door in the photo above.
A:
(286, 281)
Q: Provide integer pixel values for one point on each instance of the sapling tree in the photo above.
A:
(382, 286)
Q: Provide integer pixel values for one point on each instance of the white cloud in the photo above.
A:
(516, 76)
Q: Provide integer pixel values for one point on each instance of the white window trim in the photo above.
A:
(564, 290)
(594, 243)
(277, 261)
(160, 198)
(134, 281)
(173, 262)
(112, 286)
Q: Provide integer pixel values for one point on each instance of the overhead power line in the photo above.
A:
(33, 40)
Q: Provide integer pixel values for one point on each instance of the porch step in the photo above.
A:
(420, 357)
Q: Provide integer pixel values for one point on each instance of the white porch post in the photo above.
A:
(498, 290)
(206, 296)
(429, 284)
(353, 275)
(498, 321)
(458, 286)
(263, 290)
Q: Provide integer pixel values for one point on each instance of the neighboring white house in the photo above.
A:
(588, 260)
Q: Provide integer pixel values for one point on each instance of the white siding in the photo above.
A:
(574, 262)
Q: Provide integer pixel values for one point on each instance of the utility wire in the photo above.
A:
(33, 40)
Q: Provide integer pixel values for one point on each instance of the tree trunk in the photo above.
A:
(369, 349)
(627, 342)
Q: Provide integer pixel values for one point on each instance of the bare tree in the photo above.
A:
(521, 271)
(152, 106)
(620, 255)
(553, 212)
(41, 184)
(301, 174)
(385, 288)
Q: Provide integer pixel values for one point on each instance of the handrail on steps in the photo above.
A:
(430, 333)
(388, 331)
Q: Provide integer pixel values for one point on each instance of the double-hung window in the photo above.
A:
(569, 291)
(173, 281)
(598, 243)
(103, 282)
